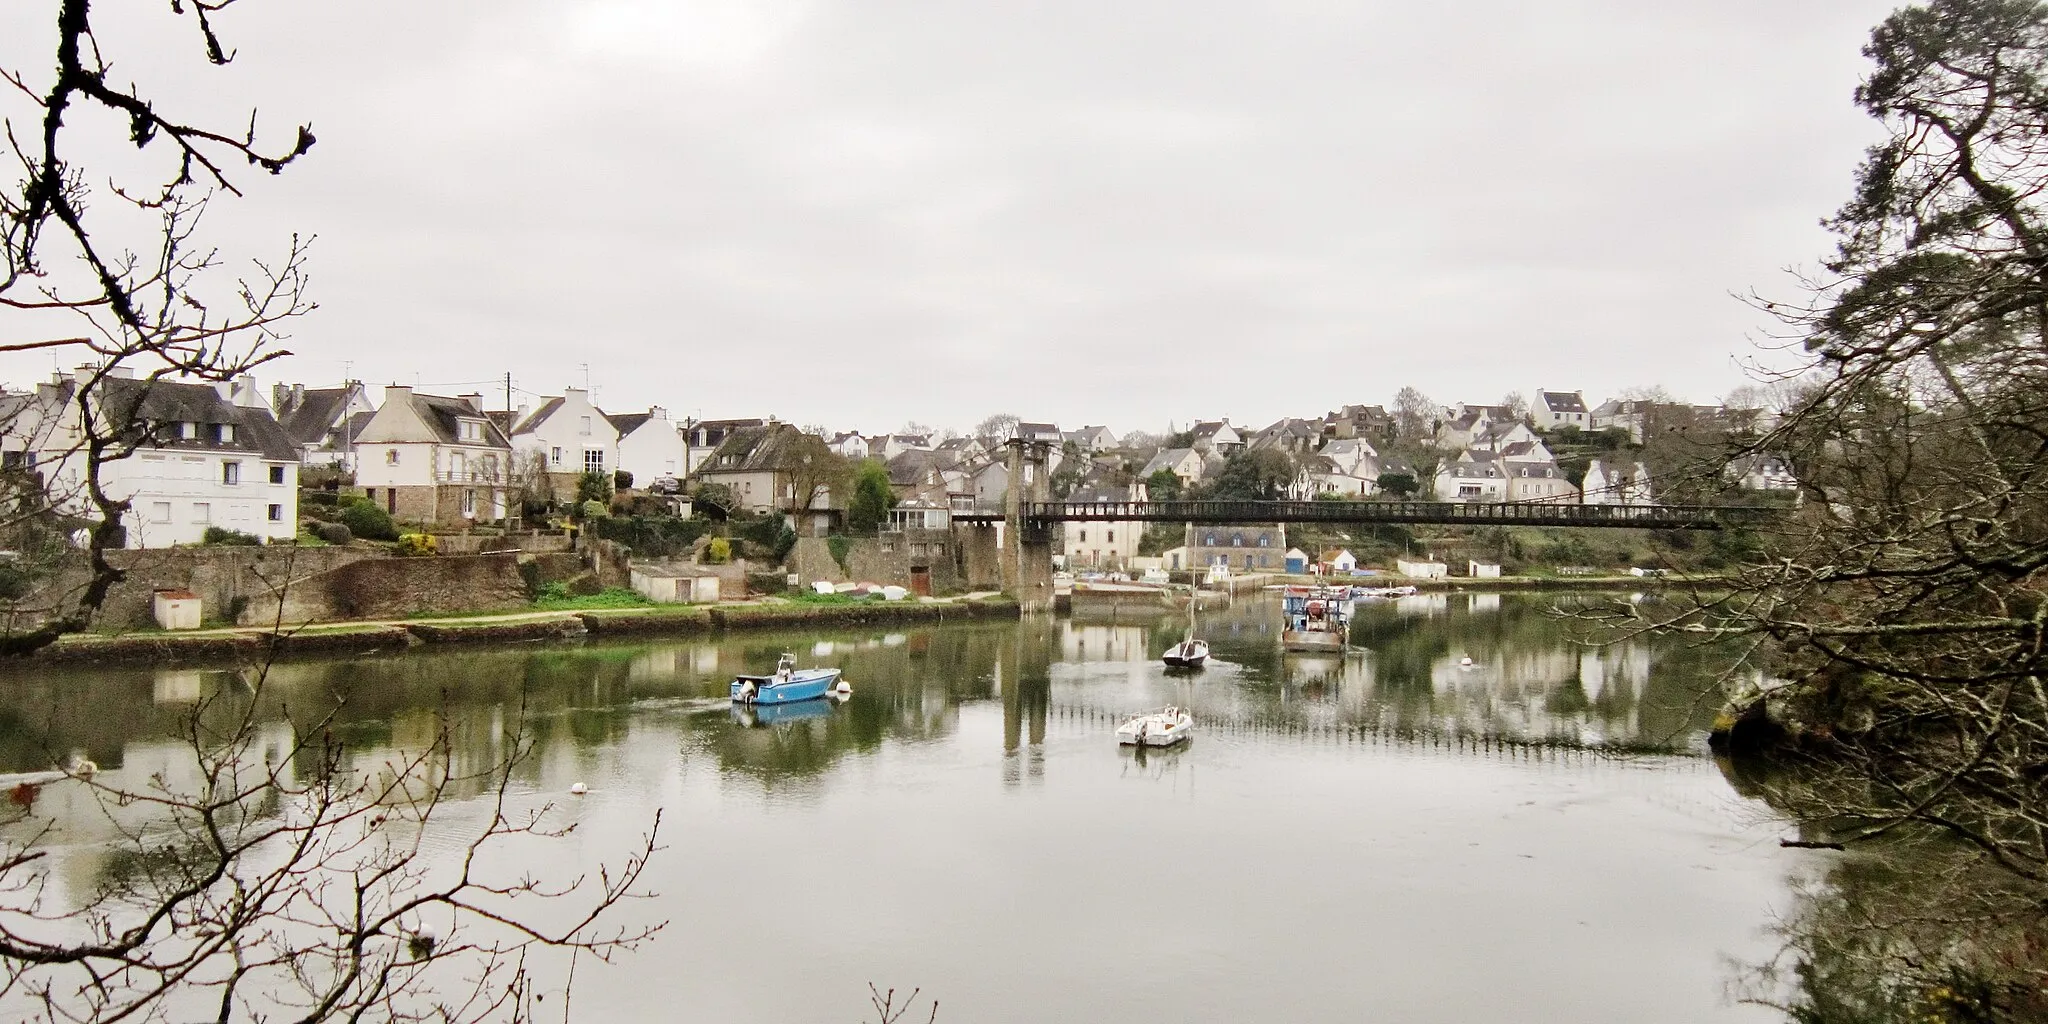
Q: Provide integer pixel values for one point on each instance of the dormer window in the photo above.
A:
(470, 430)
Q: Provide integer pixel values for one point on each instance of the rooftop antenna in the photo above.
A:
(586, 376)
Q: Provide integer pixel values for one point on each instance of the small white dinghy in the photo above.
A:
(1162, 728)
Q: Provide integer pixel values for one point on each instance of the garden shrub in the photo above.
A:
(234, 538)
(333, 533)
(367, 521)
(413, 545)
(719, 551)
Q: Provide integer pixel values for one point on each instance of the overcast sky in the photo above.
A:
(865, 212)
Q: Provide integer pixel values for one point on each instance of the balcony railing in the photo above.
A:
(469, 476)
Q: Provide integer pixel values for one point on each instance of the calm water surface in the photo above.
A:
(1387, 836)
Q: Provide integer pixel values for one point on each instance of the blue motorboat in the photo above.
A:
(787, 685)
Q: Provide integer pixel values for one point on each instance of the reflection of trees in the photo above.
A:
(1915, 932)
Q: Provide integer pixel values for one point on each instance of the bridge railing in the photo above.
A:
(1442, 512)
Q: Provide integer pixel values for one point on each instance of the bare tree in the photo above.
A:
(996, 428)
(120, 260)
(1415, 416)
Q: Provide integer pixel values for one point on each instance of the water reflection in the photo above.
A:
(1433, 664)
(1432, 815)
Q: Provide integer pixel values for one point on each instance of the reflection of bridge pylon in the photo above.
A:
(1025, 676)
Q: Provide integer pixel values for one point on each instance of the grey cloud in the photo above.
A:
(866, 212)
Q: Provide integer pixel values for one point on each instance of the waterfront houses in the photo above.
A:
(650, 446)
(204, 456)
(434, 459)
(565, 437)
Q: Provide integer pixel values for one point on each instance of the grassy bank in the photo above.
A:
(256, 645)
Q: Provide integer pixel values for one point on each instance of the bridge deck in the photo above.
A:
(1649, 517)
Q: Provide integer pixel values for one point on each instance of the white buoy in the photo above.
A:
(844, 689)
(1465, 662)
(578, 788)
(84, 767)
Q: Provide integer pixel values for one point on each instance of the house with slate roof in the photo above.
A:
(650, 445)
(435, 460)
(1103, 544)
(204, 455)
(322, 420)
(1477, 474)
(1552, 409)
(1291, 435)
(1092, 439)
(1217, 436)
(777, 468)
(1185, 463)
(1620, 483)
(702, 438)
(567, 436)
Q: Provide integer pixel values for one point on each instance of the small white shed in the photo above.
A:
(176, 608)
(675, 584)
(1483, 570)
(1421, 570)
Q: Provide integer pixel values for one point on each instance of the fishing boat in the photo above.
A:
(1190, 652)
(1382, 593)
(787, 685)
(1316, 620)
(1162, 728)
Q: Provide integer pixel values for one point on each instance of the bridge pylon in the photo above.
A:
(1027, 542)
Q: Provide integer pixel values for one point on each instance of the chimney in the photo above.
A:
(475, 400)
(397, 392)
(281, 399)
(83, 372)
(655, 412)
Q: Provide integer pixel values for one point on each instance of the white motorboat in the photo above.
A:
(1162, 728)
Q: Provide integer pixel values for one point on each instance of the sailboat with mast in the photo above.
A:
(1190, 652)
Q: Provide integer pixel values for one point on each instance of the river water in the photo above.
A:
(1393, 835)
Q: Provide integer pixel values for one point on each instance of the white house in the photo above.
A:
(1552, 409)
(1482, 570)
(571, 437)
(1338, 561)
(1092, 438)
(1616, 485)
(1421, 569)
(206, 455)
(1532, 474)
(673, 584)
(1763, 473)
(850, 443)
(1475, 475)
(1217, 436)
(1103, 544)
(650, 445)
(433, 459)
(1185, 463)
